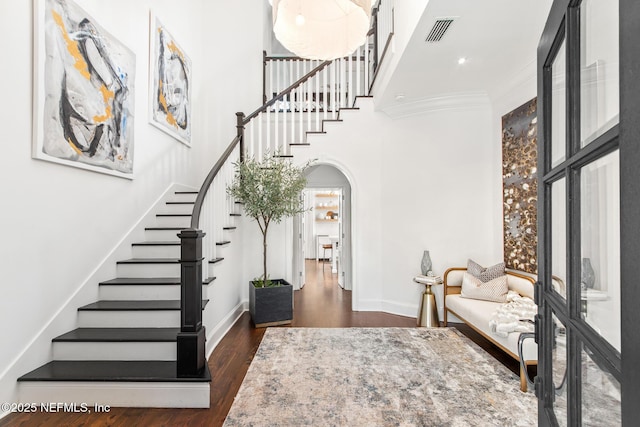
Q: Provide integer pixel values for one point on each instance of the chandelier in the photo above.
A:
(321, 29)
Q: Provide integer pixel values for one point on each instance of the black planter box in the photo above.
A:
(271, 306)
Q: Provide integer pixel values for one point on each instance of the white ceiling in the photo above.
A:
(499, 38)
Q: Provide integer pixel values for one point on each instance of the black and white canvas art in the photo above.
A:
(170, 81)
(84, 91)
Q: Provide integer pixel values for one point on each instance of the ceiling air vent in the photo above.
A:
(439, 29)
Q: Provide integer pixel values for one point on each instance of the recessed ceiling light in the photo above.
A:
(400, 97)
(462, 60)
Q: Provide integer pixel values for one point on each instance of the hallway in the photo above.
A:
(321, 303)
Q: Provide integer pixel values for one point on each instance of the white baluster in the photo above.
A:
(358, 80)
(260, 146)
(334, 88)
(291, 114)
(299, 95)
(366, 67)
(350, 88)
(251, 147)
(325, 104)
(343, 84)
(308, 98)
(317, 98)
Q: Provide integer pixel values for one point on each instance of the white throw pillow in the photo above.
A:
(493, 290)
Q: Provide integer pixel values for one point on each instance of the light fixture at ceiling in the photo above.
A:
(462, 60)
(321, 29)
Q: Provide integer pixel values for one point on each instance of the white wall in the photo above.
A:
(406, 16)
(424, 182)
(61, 222)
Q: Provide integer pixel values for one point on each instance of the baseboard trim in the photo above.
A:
(406, 310)
(220, 330)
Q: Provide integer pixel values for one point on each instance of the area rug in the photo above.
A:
(377, 377)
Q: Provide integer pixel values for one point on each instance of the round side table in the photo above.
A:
(428, 313)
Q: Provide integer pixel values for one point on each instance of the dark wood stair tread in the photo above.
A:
(111, 370)
(301, 143)
(235, 214)
(166, 228)
(186, 192)
(150, 261)
(171, 215)
(135, 305)
(225, 242)
(180, 203)
(158, 243)
(229, 228)
(119, 335)
(149, 281)
(215, 260)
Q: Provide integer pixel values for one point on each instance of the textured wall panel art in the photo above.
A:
(170, 80)
(519, 178)
(84, 93)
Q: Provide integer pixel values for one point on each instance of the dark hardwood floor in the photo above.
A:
(321, 303)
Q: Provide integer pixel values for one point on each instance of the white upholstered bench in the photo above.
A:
(477, 313)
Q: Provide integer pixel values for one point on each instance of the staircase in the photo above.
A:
(123, 352)
(128, 346)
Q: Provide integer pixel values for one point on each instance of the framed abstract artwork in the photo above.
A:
(83, 91)
(520, 187)
(170, 84)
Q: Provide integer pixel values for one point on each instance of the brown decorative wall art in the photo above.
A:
(519, 179)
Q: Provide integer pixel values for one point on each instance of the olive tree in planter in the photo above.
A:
(270, 191)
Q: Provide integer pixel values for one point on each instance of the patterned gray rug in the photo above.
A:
(377, 377)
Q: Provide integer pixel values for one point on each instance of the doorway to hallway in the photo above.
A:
(322, 303)
(324, 230)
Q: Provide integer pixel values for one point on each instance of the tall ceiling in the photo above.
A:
(498, 38)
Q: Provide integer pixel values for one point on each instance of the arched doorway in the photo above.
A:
(327, 221)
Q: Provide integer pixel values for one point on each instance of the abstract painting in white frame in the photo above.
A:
(83, 91)
(169, 83)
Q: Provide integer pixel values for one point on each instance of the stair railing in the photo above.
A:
(300, 109)
(321, 90)
(211, 211)
(380, 35)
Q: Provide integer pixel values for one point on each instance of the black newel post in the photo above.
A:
(191, 338)
(240, 133)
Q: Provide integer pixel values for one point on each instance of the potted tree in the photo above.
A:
(269, 190)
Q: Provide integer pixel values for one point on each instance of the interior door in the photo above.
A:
(587, 185)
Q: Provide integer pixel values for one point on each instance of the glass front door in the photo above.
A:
(582, 201)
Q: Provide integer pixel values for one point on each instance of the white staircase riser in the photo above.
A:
(140, 292)
(212, 268)
(161, 235)
(114, 350)
(129, 319)
(156, 251)
(118, 394)
(176, 209)
(182, 198)
(148, 270)
(173, 221)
